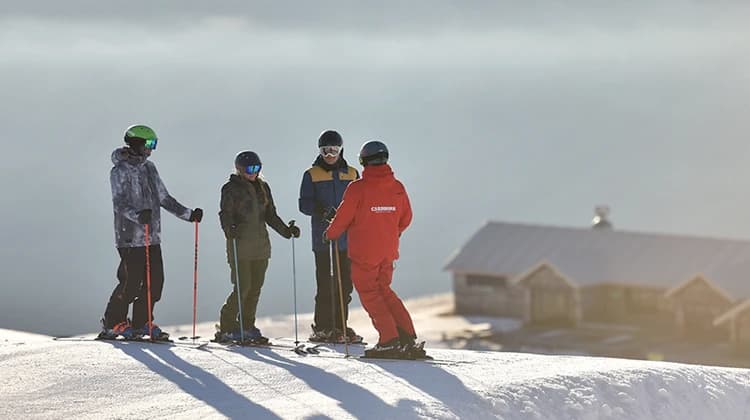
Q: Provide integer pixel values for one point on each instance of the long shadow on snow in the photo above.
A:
(358, 401)
(442, 385)
(195, 381)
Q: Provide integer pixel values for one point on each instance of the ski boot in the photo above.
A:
(253, 336)
(410, 347)
(226, 337)
(389, 350)
(337, 337)
(122, 329)
(154, 333)
(416, 351)
(353, 338)
(320, 335)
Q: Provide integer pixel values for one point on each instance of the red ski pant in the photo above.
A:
(386, 310)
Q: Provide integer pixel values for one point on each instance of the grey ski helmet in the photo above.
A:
(373, 153)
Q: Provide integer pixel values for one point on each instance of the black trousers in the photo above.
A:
(252, 275)
(327, 302)
(132, 286)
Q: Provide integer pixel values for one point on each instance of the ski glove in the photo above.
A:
(325, 238)
(196, 215)
(232, 232)
(293, 230)
(329, 214)
(144, 216)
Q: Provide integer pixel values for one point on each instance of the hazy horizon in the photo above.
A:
(531, 113)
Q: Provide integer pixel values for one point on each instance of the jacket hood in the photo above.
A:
(377, 172)
(122, 154)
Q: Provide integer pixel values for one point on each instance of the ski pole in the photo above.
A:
(237, 282)
(341, 296)
(195, 281)
(148, 281)
(294, 287)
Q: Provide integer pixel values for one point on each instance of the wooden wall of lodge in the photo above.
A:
(691, 311)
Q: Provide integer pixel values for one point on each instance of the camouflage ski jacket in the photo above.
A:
(136, 186)
(249, 206)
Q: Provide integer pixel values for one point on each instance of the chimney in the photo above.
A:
(600, 220)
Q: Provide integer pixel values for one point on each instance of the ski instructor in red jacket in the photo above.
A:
(375, 210)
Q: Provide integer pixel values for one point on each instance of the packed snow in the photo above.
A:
(45, 378)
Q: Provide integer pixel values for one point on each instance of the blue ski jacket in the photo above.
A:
(322, 188)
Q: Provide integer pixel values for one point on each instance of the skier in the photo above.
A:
(321, 190)
(375, 211)
(246, 207)
(138, 193)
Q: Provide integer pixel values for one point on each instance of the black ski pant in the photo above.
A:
(252, 275)
(327, 302)
(132, 286)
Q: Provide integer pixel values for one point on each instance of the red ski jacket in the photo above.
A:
(375, 210)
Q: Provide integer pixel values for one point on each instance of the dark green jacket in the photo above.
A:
(249, 206)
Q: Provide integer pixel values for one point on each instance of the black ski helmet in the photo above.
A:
(246, 158)
(330, 138)
(373, 153)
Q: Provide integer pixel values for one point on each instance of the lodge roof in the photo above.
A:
(594, 256)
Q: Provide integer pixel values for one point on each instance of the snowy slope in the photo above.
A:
(42, 378)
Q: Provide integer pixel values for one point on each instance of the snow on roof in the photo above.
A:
(592, 256)
(698, 279)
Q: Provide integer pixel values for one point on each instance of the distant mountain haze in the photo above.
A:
(532, 113)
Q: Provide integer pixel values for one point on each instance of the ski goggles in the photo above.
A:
(151, 143)
(330, 151)
(252, 169)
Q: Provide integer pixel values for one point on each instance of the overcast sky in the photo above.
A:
(531, 113)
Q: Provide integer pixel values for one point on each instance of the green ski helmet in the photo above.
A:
(142, 132)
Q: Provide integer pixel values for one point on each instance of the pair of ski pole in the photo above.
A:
(239, 290)
(334, 254)
(148, 280)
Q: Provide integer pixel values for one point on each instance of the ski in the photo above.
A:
(315, 350)
(184, 338)
(137, 340)
(300, 349)
(336, 343)
(133, 340)
(442, 362)
(118, 338)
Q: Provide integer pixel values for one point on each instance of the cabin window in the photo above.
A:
(495, 282)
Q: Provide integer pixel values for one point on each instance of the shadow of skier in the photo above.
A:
(443, 386)
(356, 400)
(195, 381)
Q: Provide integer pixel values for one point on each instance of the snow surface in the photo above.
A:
(44, 378)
